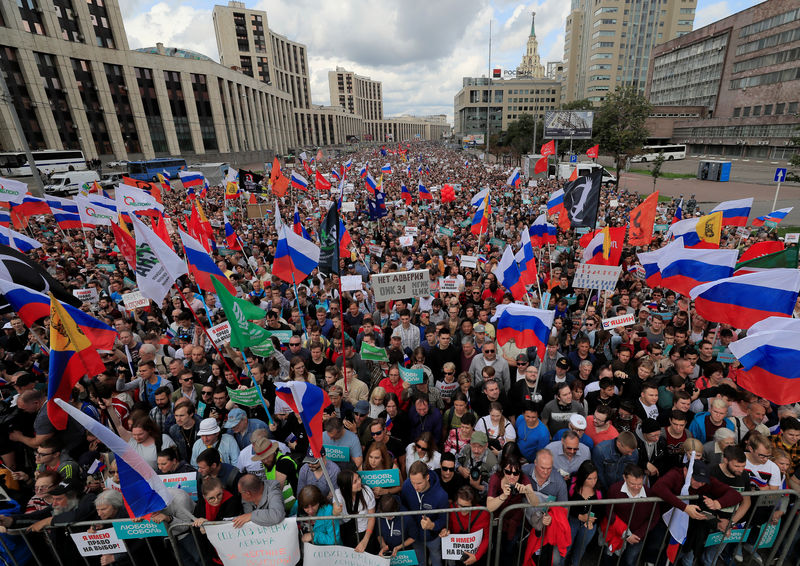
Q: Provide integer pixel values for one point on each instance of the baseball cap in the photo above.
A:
(578, 421)
(522, 358)
(700, 472)
(650, 425)
(234, 418)
(310, 458)
(65, 487)
(479, 437)
(562, 363)
(479, 328)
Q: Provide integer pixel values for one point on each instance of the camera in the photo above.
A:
(475, 473)
(514, 491)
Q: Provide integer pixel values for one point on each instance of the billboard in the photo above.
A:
(473, 139)
(565, 124)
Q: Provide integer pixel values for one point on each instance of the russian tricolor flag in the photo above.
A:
(65, 204)
(594, 248)
(297, 226)
(508, 275)
(744, 300)
(364, 171)
(348, 164)
(299, 182)
(514, 179)
(191, 179)
(202, 266)
(527, 326)
(649, 261)
(734, 212)
(480, 222)
(308, 401)
(678, 216)
(231, 240)
(5, 218)
(67, 220)
(335, 174)
(424, 193)
(775, 216)
(682, 269)
(479, 197)
(295, 257)
(698, 232)
(387, 168)
(543, 233)
(19, 242)
(556, 202)
(405, 194)
(771, 362)
(371, 183)
(526, 259)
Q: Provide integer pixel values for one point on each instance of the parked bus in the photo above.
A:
(650, 152)
(15, 164)
(147, 170)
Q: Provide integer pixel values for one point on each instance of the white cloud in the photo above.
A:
(711, 13)
(419, 49)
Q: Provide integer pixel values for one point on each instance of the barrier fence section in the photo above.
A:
(180, 543)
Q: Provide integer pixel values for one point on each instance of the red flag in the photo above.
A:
(615, 237)
(574, 174)
(448, 193)
(541, 165)
(564, 221)
(642, 219)
(252, 199)
(160, 228)
(593, 151)
(586, 238)
(307, 167)
(197, 230)
(549, 148)
(278, 182)
(125, 242)
(761, 249)
(321, 183)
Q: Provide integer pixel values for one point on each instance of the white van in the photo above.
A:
(584, 170)
(70, 182)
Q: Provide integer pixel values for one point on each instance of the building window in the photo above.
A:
(95, 114)
(757, 110)
(767, 109)
(779, 108)
(31, 16)
(122, 107)
(102, 31)
(792, 108)
(204, 114)
(20, 97)
(152, 112)
(737, 112)
(746, 112)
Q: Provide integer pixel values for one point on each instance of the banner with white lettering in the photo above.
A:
(401, 285)
(335, 555)
(253, 544)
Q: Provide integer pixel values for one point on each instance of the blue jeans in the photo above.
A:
(434, 547)
(581, 536)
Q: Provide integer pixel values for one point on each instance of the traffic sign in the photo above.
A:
(780, 175)
(573, 158)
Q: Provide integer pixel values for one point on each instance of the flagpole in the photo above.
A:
(257, 386)
(246, 259)
(208, 336)
(302, 316)
(341, 320)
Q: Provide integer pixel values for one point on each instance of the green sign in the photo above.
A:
(545, 302)
(660, 227)
(110, 267)
(770, 224)
(446, 231)
(497, 242)
(404, 558)
(412, 376)
(283, 335)
(725, 356)
(465, 223)
(766, 536)
(141, 529)
(380, 478)
(508, 194)
(373, 353)
(582, 230)
(337, 453)
(263, 350)
(247, 397)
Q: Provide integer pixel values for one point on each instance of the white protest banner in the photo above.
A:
(186, 482)
(406, 241)
(411, 231)
(742, 232)
(86, 295)
(617, 321)
(135, 300)
(325, 204)
(351, 282)
(401, 285)
(375, 249)
(100, 542)
(348, 206)
(791, 238)
(453, 546)
(220, 333)
(602, 277)
(253, 544)
(448, 285)
(469, 261)
(336, 555)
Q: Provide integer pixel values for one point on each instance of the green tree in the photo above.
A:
(619, 124)
(794, 161)
(655, 171)
(584, 104)
(516, 140)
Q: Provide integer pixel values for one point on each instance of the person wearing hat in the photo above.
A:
(241, 427)
(652, 447)
(476, 463)
(311, 473)
(568, 453)
(713, 496)
(360, 423)
(577, 424)
(278, 467)
(551, 380)
(211, 436)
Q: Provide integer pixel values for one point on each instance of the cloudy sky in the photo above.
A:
(420, 49)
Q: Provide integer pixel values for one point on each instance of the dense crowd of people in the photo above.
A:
(605, 414)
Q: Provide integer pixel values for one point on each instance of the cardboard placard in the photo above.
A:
(448, 285)
(277, 545)
(335, 555)
(337, 453)
(186, 482)
(411, 231)
(617, 321)
(104, 541)
(380, 478)
(351, 283)
(469, 261)
(247, 397)
(348, 206)
(602, 277)
(135, 300)
(453, 546)
(406, 241)
(791, 238)
(401, 285)
(86, 295)
(220, 333)
(375, 250)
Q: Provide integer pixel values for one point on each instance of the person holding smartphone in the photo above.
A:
(582, 518)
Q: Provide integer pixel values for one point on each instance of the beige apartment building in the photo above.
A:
(608, 43)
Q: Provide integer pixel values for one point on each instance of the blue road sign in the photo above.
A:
(780, 175)
(573, 158)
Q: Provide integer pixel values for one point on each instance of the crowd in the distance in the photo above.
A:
(605, 414)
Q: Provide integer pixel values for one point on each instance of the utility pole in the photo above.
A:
(37, 189)
(489, 91)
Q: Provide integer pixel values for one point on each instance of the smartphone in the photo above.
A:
(291, 437)
(591, 514)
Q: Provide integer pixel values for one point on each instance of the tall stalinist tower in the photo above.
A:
(531, 66)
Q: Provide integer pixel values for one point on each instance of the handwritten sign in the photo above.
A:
(348, 206)
(380, 478)
(140, 529)
(220, 333)
(617, 321)
(448, 285)
(792, 238)
(86, 295)
(406, 241)
(337, 453)
(135, 300)
(247, 397)
(412, 376)
(469, 261)
(602, 277)
(253, 544)
(401, 285)
(100, 542)
(186, 482)
(335, 555)
(375, 250)
(453, 546)
(351, 283)
(411, 231)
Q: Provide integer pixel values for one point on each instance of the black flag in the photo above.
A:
(250, 182)
(20, 269)
(582, 199)
(329, 241)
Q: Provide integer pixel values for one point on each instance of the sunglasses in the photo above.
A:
(449, 373)
(380, 432)
(489, 351)
(511, 472)
(420, 446)
(448, 469)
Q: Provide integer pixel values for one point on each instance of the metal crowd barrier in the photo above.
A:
(185, 541)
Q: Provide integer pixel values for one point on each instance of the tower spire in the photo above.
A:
(533, 21)
(531, 65)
